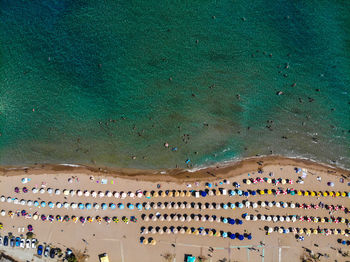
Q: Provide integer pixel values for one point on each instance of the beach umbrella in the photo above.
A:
(239, 192)
(23, 212)
(29, 202)
(278, 204)
(240, 205)
(188, 194)
(131, 206)
(120, 206)
(58, 218)
(96, 206)
(23, 202)
(163, 194)
(168, 231)
(254, 205)
(182, 194)
(51, 218)
(253, 193)
(231, 221)
(268, 218)
(82, 219)
(247, 204)
(148, 194)
(263, 218)
(43, 204)
(155, 206)
(287, 219)
(79, 193)
(224, 234)
(88, 206)
(330, 184)
(81, 206)
(109, 194)
(43, 217)
(203, 193)
(49, 190)
(292, 205)
(15, 201)
(270, 204)
(101, 194)
(51, 205)
(225, 206)
(232, 192)
(16, 190)
(104, 206)
(155, 194)
(89, 219)
(72, 192)
(3, 212)
(182, 206)
(232, 206)
(255, 218)
(247, 217)
(117, 195)
(42, 190)
(246, 193)
(57, 191)
(66, 192)
(93, 194)
(58, 204)
(139, 206)
(240, 222)
(36, 203)
(30, 228)
(294, 219)
(35, 190)
(240, 237)
(263, 204)
(225, 220)
(66, 218)
(86, 193)
(281, 218)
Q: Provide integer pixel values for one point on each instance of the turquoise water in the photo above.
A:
(109, 80)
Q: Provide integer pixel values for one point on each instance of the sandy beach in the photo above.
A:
(121, 240)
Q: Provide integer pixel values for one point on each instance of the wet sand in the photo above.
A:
(121, 240)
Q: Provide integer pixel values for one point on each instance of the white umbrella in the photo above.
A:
(176, 218)
(188, 206)
(116, 194)
(217, 206)
(275, 219)
(49, 190)
(211, 193)
(162, 206)
(270, 204)
(72, 192)
(255, 205)
(287, 219)
(139, 195)
(101, 194)
(154, 206)
(168, 231)
(66, 205)
(176, 206)
(57, 191)
(153, 231)
(270, 230)
(161, 218)
(35, 190)
(263, 218)
(255, 218)
(278, 204)
(263, 204)
(268, 218)
(109, 194)
(182, 231)
(210, 206)
(247, 217)
(146, 218)
(58, 205)
(292, 205)
(3, 212)
(210, 219)
(42, 190)
(123, 195)
(9, 200)
(15, 201)
(79, 193)
(168, 218)
(182, 206)
(3, 199)
(93, 194)
(86, 193)
(188, 218)
(96, 206)
(169, 206)
(203, 207)
(294, 219)
(218, 219)
(145, 231)
(154, 218)
(23, 202)
(161, 231)
(147, 206)
(196, 206)
(196, 218)
(131, 194)
(281, 218)
(247, 204)
(30, 203)
(203, 219)
(182, 218)
(175, 231)
(73, 205)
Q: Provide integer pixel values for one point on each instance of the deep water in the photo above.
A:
(108, 82)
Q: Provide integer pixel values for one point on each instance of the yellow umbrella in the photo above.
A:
(248, 182)
(153, 242)
(308, 232)
(210, 233)
(163, 194)
(323, 220)
(182, 194)
(188, 194)
(196, 232)
(177, 194)
(189, 231)
(306, 193)
(1, 226)
(325, 194)
(335, 232)
(145, 242)
(319, 193)
(315, 219)
(269, 180)
(155, 194)
(342, 232)
(331, 193)
(343, 194)
(269, 191)
(299, 193)
(218, 193)
(337, 194)
(312, 193)
(301, 231)
(218, 234)
(315, 232)
(148, 194)
(261, 192)
(342, 220)
(170, 194)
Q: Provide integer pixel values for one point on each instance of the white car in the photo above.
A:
(34, 242)
(22, 244)
(28, 242)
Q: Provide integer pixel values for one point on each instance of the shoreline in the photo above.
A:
(218, 171)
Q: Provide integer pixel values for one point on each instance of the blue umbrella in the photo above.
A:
(240, 222)
(224, 220)
(121, 206)
(232, 192)
(43, 203)
(236, 185)
(88, 206)
(343, 242)
(253, 193)
(240, 237)
(225, 206)
(139, 206)
(232, 236)
(36, 203)
(224, 234)
(233, 206)
(209, 185)
(246, 194)
(104, 206)
(232, 221)
(51, 205)
(203, 193)
(249, 236)
(131, 206)
(81, 206)
(112, 206)
(240, 205)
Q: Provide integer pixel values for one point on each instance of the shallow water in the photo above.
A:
(97, 75)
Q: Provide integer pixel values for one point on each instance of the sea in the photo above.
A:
(166, 84)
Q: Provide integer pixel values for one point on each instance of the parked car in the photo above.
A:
(46, 251)
(52, 253)
(18, 241)
(22, 244)
(34, 242)
(12, 241)
(28, 243)
(40, 250)
(6, 241)
(1, 240)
